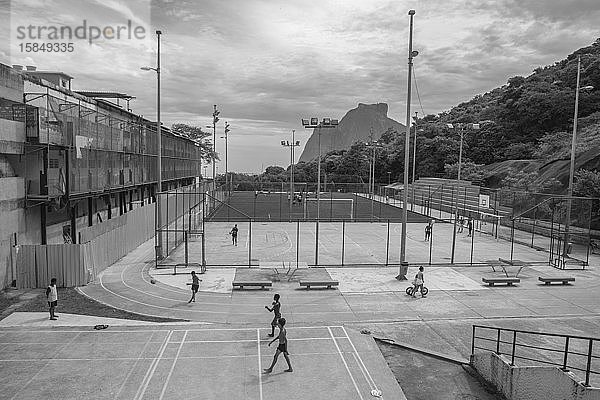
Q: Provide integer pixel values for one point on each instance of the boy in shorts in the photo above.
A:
(234, 233)
(52, 297)
(419, 282)
(281, 348)
(195, 286)
(276, 309)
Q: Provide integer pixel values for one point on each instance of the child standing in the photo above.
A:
(52, 297)
(281, 348)
(419, 282)
(428, 231)
(234, 233)
(276, 310)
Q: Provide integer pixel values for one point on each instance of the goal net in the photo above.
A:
(328, 208)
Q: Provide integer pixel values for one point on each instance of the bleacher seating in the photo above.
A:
(444, 194)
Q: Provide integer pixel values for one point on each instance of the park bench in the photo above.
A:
(329, 284)
(262, 284)
(564, 279)
(508, 280)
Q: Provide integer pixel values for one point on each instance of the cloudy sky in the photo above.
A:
(268, 63)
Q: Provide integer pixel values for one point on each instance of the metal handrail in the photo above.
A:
(518, 341)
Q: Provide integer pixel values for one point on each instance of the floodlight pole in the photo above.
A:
(572, 168)
(414, 162)
(403, 263)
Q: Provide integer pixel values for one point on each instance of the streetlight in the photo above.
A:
(374, 145)
(403, 264)
(461, 127)
(215, 116)
(227, 130)
(572, 168)
(158, 247)
(414, 160)
(292, 146)
(314, 123)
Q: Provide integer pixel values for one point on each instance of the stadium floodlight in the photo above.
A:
(326, 121)
(314, 121)
(297, 143)
(334, 122)
(283, 142)
(305, 122)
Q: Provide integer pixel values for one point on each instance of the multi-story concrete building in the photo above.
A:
(70, 160)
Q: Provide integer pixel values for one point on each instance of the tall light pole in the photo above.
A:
(572, 167)
(374, 145)
(291, 145)
(414, 162)
(403, 264)
(461, 127)
(227, 130)
(158, 247)
(215, 116)
(315, 124)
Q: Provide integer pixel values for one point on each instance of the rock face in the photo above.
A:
(353, 127)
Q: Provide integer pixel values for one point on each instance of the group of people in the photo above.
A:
(461, 224)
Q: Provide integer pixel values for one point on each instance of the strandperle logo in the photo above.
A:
(91, 33)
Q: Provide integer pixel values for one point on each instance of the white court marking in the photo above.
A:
(260, 371)
(345, 363)
(164, 388)
(150, 372)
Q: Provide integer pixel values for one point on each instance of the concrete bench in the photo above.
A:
(329, 284)
(509, 281)
(262, 284)
(564, 279)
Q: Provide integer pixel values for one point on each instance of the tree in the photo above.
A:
(468, 171)
(586, 183)
(200, 137)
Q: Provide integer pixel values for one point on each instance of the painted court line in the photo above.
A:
(154, 358)
(150, 372)
(260, 371)
(45, 365)
(345, 364)
(134, 366)
(357, 355)
(164, 388)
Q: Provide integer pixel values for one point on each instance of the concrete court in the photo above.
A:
(162, 362)
(364, 243)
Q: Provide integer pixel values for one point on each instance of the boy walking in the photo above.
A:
(276, 310)
(195, 286)
(234, 233)
(52, 297)
(470, 226)
(281, 348)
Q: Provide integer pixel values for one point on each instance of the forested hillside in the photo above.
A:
(528, 118)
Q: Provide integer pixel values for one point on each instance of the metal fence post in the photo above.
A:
(431, 243)
(514, 345)
(297, 241)
(250, 243)
(317, 243)
(564, 367)
(387, 244)
(473, 341)
(512, 239)
(589, 364)
(498, 342)
(343, 239)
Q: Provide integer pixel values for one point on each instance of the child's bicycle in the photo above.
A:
(410, 289)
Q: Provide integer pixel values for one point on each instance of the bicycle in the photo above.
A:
(410, 289)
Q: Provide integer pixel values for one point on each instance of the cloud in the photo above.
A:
(267, 64)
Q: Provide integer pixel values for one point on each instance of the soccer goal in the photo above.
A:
(328, 208)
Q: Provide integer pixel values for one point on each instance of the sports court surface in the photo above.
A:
(330, 362)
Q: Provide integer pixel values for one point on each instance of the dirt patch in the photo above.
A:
(69, 301)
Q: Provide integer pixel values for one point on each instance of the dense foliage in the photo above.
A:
(528, 118)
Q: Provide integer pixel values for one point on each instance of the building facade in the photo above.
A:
(70, 160)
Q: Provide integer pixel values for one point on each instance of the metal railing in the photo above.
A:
(569, 352)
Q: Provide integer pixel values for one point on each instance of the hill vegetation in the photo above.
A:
(529, 118)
